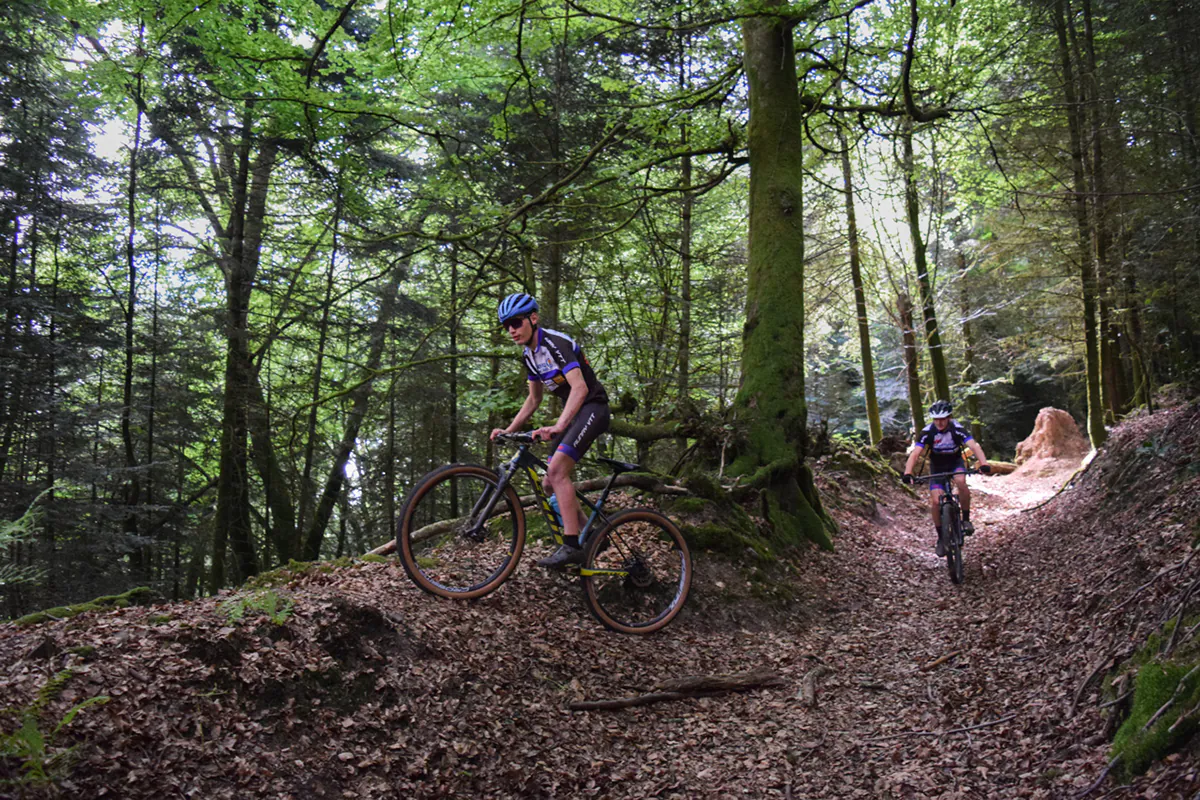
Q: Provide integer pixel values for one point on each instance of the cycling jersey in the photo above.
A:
(945, 447)
(555, 354)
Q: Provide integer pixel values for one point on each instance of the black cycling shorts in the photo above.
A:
(957, 465)
(591, 421)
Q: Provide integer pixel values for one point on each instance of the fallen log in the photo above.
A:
(680, 688)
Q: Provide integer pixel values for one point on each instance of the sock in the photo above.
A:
(571, 541)
(966, 515)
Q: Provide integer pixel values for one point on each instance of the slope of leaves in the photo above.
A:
(365, 687)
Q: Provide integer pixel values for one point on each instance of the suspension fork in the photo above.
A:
(481, 512)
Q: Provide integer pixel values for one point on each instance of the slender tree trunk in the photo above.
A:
(771, 399)
(933, 338)
(306, 488)
(360, 398)
(860, 298)
(970, 373)
(452, 438)
(912, 360)
(232, 523)
(1096, 431)
(139, 553)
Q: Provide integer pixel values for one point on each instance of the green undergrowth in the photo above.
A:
(141, 595)
(1163, 713)
(32, 745)
(267, 603)
(295, 570)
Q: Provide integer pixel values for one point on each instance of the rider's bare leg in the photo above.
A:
(935, 498)
(558, 482)
(964, 495)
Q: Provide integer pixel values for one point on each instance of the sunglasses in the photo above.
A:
(514, 323)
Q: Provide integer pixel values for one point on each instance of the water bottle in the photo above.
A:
(554, 507)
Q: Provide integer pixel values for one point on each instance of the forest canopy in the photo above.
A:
(252, 251)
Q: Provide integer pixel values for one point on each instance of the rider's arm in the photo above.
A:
(532, 401)
(912, 458)
(574, 402)
(978, 451)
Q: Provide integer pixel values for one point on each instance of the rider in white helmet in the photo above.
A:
(944, 439)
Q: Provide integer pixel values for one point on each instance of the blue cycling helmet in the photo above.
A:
(516, 305)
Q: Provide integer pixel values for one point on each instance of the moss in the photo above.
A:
(85, 652)
(140, 594)
(160, 619)
(370, 558)
(1156, 685)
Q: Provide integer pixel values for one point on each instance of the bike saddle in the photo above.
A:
(619, 466)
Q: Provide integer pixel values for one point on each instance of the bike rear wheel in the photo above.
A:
(448, 541)
(952, 530)
(636, 572)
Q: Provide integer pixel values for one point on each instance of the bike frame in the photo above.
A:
(526, 461)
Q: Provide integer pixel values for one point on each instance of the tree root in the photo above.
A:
(808, 687)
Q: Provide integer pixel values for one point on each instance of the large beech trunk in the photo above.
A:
(771, 399)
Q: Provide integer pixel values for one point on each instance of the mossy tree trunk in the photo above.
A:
(771, 399)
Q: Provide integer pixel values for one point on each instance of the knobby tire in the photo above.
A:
(649, 547)
(441, 549)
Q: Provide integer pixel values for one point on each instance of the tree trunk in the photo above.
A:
(912, 360)
(771, 399)
(1096, 431)
(933, 338)
(240, 263)
(360, 398)
(139, 553)
(307, 491)
(970, 374)
(860, 298)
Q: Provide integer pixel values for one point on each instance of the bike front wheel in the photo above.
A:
(459, 534)
(636, 572)
(952, 529)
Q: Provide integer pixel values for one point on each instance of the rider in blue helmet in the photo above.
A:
(943, 440)
(554, 362)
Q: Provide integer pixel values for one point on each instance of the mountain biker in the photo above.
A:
(555, 362)
(944, 439)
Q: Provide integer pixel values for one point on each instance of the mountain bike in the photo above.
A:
(461, 532)
(951, 515)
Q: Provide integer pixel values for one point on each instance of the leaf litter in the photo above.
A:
(920, 689)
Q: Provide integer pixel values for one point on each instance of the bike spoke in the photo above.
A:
(644, 573)
(448, 551)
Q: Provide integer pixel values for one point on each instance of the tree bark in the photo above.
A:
(1096, 431)
(240, 261)
(771, 399)
(912, 360)
(860, 298)
(933, 337)
(970, 373)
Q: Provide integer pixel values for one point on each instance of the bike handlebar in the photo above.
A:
(927, 478)
(516, 438)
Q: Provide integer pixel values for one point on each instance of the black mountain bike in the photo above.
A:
(951, 515)
(462, 530)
